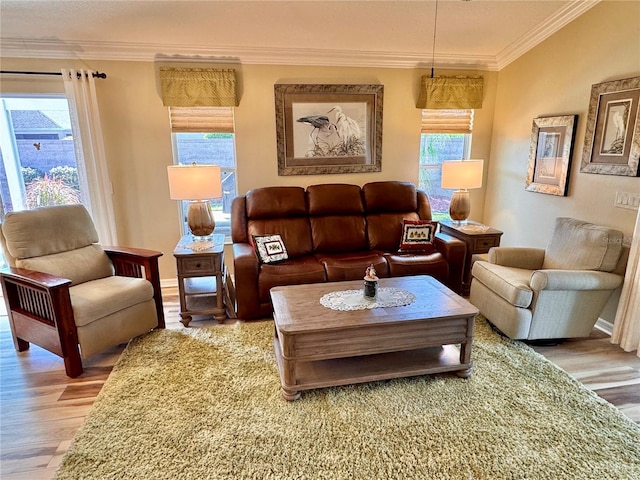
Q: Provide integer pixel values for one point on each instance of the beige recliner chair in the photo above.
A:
(67, 294)
(553, 293)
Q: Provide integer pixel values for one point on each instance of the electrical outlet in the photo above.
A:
(627, 200)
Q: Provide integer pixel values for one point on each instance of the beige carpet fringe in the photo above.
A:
(204, 403)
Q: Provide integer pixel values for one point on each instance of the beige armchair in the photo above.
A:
(67, 294)
(553, 293)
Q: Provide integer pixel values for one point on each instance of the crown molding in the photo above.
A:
(146, 52)
(53, 49)
(543, 31)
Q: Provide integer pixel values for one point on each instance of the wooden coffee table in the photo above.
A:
(316, 346)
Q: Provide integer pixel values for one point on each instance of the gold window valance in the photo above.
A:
(451, 92)
(198, 87)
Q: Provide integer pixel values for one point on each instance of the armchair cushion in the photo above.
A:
(518, 257)
(574, 280)
(97, 299)
(578, 245)
(511, 284)
(79, 265)
(45, 231)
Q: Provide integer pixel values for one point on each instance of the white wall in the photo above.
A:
(555, 78)
(138, 139)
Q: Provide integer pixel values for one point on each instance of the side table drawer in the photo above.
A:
(483, 244)
(202, 265)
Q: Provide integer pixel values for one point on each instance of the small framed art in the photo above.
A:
(550, 154)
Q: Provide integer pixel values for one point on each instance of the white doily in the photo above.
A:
(474, 228)
(355, 300)
(200, 245)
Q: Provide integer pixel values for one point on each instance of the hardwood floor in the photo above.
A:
(41, 408)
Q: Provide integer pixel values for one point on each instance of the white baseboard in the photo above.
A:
(604, 326)
(168, 282)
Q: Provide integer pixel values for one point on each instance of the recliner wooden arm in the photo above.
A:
(44, 298)
(133, 262)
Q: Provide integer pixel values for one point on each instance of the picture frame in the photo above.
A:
(550, 154)
(612, 138)
(328, 129)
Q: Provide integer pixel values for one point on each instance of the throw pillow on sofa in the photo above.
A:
(270, 248)
(418, 236)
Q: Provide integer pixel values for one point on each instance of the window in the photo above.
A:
(205, 135)
(38, 166)
(446, 135)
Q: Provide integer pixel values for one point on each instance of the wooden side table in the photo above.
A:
(477, 237)
(203, 282)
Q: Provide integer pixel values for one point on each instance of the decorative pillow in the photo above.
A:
(418, 236)
(270, 248)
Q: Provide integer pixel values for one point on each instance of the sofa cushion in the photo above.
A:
(336, 215)
(295, 233)
(339, 233)
(352, 266)
(270, 248)
(334, 199)
(579, 245)
(384, 230)
(99, 298)
(418, 236)
(403, 264)
(512, 284)
(387, 204)
(276, 202)
(390, 197)
(290, 272)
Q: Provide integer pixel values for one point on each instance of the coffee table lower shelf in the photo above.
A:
(368, 368)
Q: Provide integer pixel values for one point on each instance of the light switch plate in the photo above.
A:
(627, 200)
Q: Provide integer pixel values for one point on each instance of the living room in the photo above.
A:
(552, 77)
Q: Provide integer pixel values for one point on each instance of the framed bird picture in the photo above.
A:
(612, 138)
(322, 129)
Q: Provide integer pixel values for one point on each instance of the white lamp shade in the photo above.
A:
(194, 182)
(462, 174)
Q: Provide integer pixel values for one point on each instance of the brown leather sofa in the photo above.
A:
(332, 232)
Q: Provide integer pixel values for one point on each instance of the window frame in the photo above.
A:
(466, 154)
(182, 204)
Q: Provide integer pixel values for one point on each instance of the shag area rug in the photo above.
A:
(205, 403)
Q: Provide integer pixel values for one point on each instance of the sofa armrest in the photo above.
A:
(574, 280)
(246, 269)
(136, 262)
(517, 257)
(454, 251)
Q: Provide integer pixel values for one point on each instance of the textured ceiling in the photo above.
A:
(400, 33)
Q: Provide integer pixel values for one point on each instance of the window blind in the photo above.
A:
(201, 119)
(447, 121)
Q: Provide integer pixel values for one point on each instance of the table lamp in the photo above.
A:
(198, 184)
(461, 174)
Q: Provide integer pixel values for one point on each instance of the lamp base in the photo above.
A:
(460, 206)
(200, 218)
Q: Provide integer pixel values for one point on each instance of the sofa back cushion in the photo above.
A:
(59, 240)
(579, 245)
(280, 211)
(336, 214)
(387, 205)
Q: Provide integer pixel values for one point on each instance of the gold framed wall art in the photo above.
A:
(550, 154)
